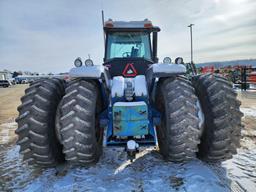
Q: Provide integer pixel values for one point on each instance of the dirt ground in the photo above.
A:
(9, 100)
(248, 100)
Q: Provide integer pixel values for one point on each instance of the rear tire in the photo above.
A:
(36, 123)
(179, 132)
(78, 122)
(222, 131)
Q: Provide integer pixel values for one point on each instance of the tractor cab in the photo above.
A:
(130, 47)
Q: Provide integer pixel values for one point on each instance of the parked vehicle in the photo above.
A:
(4, 83)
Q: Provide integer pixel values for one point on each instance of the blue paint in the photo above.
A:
(131, 121)
(132, 113)
(131, 128)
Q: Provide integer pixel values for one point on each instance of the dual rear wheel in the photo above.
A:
(181, 135)
(222, 131)
(59, 122)
(36, 123)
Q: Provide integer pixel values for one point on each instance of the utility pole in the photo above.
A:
(191, 44)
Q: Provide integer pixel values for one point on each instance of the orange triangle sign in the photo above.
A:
(129, 70)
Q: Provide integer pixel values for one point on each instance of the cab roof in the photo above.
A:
(145, 25)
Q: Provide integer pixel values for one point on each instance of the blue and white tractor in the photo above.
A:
(131, 100)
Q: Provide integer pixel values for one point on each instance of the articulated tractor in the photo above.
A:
(131, 100)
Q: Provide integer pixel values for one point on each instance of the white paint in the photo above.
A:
(140, 86)
(119, 84)
(117, 88)
(131, 145)
(168, 68)
(129, 24)
(87, 71)
(129, 104)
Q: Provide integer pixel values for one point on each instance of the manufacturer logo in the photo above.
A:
(129, 70)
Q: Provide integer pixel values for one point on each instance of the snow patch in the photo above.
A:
(6, 132)
(168, 68)
(149, 172)
(9, 125)
(201, 116)
(249, 111)
(94, 71)
(242, 169)
(200, 178)
(114, 173)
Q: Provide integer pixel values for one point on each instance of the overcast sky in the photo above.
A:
(46, 36)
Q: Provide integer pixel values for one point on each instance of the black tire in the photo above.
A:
(78, 123)
(179, 132)
(36, 123)
(222, 131)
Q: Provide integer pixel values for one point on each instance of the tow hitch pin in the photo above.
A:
(132, 148)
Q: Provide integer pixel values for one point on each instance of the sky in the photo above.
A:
(46, 36)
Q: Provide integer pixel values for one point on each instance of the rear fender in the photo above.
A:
(158, 71)
(93, 73)
(88, 72)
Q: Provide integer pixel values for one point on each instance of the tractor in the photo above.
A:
(131, 100)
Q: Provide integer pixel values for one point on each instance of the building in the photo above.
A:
(5, 75)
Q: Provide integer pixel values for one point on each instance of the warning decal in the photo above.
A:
(129, 70)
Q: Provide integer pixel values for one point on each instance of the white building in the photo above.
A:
(5, 75)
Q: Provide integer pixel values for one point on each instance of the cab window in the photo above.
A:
(128, 44)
